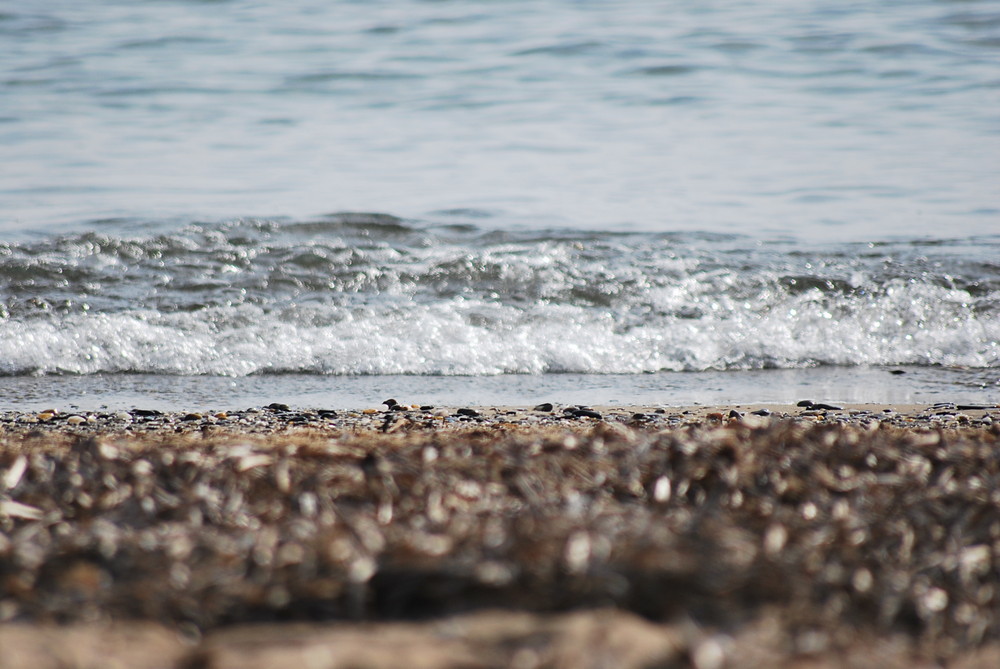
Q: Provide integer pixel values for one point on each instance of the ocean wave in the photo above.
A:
(371, 294)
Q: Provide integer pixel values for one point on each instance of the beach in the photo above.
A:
(686, 319)
(544, 536)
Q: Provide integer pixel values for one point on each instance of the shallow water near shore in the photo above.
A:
(918, 385)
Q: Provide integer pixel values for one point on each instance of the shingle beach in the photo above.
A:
(550, 536)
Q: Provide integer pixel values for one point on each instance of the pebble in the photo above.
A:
(818, 406)
(268, 418)
(623, 466)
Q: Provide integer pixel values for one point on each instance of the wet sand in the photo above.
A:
(502, 536)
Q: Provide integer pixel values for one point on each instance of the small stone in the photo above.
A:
(708, 654)
(76, 420)
(18, 510)
(544, 406)
(862, 580)
(15, 472)
(775, 539)
(662, 489)
(278, 406)
(390, 403)
(467, 412)
(587, 413)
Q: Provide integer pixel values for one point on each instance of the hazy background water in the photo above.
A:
(614, 188)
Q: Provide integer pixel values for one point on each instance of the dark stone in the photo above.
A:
(327, 413)
(426, 407)
(545, 406)
(975, 407)
(278, 406)
(639, 416)
(390, 403)
(191, 416)
(897, 372)
(733, 413)
(586, 413)
(146, 412)
(467, 412)
(804, 403)
(826, 407)
(764, 412)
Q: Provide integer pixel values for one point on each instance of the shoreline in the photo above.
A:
(402, 416)
(115, 392)
(705, 536)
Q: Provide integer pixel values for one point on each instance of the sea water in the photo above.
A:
(587, 202)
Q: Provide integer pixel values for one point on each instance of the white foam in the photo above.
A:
(675, 329)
